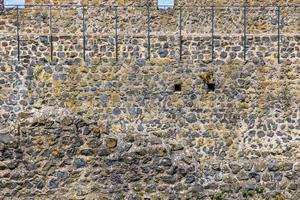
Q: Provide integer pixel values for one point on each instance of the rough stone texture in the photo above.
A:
(107, 129)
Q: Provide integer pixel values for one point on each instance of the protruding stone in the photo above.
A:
(235, 168)
(2, 166)
(5, 137)
(80, 163)
(53, 183)
(162, 53)
(191, 118)
(168, 179)
(40, 185)
(104, 152)
(176, 146)
(115, 97)
(111, 142)
(197, 188)
(259, 166)
(2, 146)
(166, 162)
(141, 62)
(66, 121)
(297, 167)
(116, 111)
(87, 152)
(273, 166)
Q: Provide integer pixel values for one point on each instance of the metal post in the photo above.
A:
(51, 38)
(212, 33)
(245, 32)
(18, 32)
(148, 22)
(116, 32)
(278, 33)
(83, 32)
(180, 33)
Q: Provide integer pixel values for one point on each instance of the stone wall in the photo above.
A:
(67, 32)
(107, 129)
(191, 3)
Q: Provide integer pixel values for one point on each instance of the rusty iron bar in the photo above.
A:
(83, 32)
(149, 44)
(116, 33)
(212, 33)
(51, 37)
(278, 34)
(148, 31)
(18, 32)
(245, 33)
(180, 33)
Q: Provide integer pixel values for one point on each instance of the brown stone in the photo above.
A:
(2, 166)
(111, 142)
(297, 167)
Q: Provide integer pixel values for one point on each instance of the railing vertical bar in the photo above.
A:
(212, 33)
(51, 38)
(116, 32)
(18, 32)
(278, 34)
(245, 32)
(180, 33)
(83, 32)
(148, 35)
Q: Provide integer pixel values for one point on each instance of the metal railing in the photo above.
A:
(148, 9)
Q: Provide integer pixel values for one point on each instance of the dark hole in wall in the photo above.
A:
(211, 87)
(177, 87)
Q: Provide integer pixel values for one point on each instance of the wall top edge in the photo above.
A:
(201, 6)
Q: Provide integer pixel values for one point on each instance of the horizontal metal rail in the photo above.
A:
(174, 8)
(119, 32)
(154, 35)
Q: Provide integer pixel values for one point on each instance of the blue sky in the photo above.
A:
(166, 2)
(14, 2)
(22, 2)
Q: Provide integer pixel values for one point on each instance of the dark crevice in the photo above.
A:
(177, 87)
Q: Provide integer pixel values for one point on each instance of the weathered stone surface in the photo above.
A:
(191, 118)
(111, 142)
(297, 167)
(273, 166)
(102, 128)
(79, 163)
(2, 166)
(5, 137)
